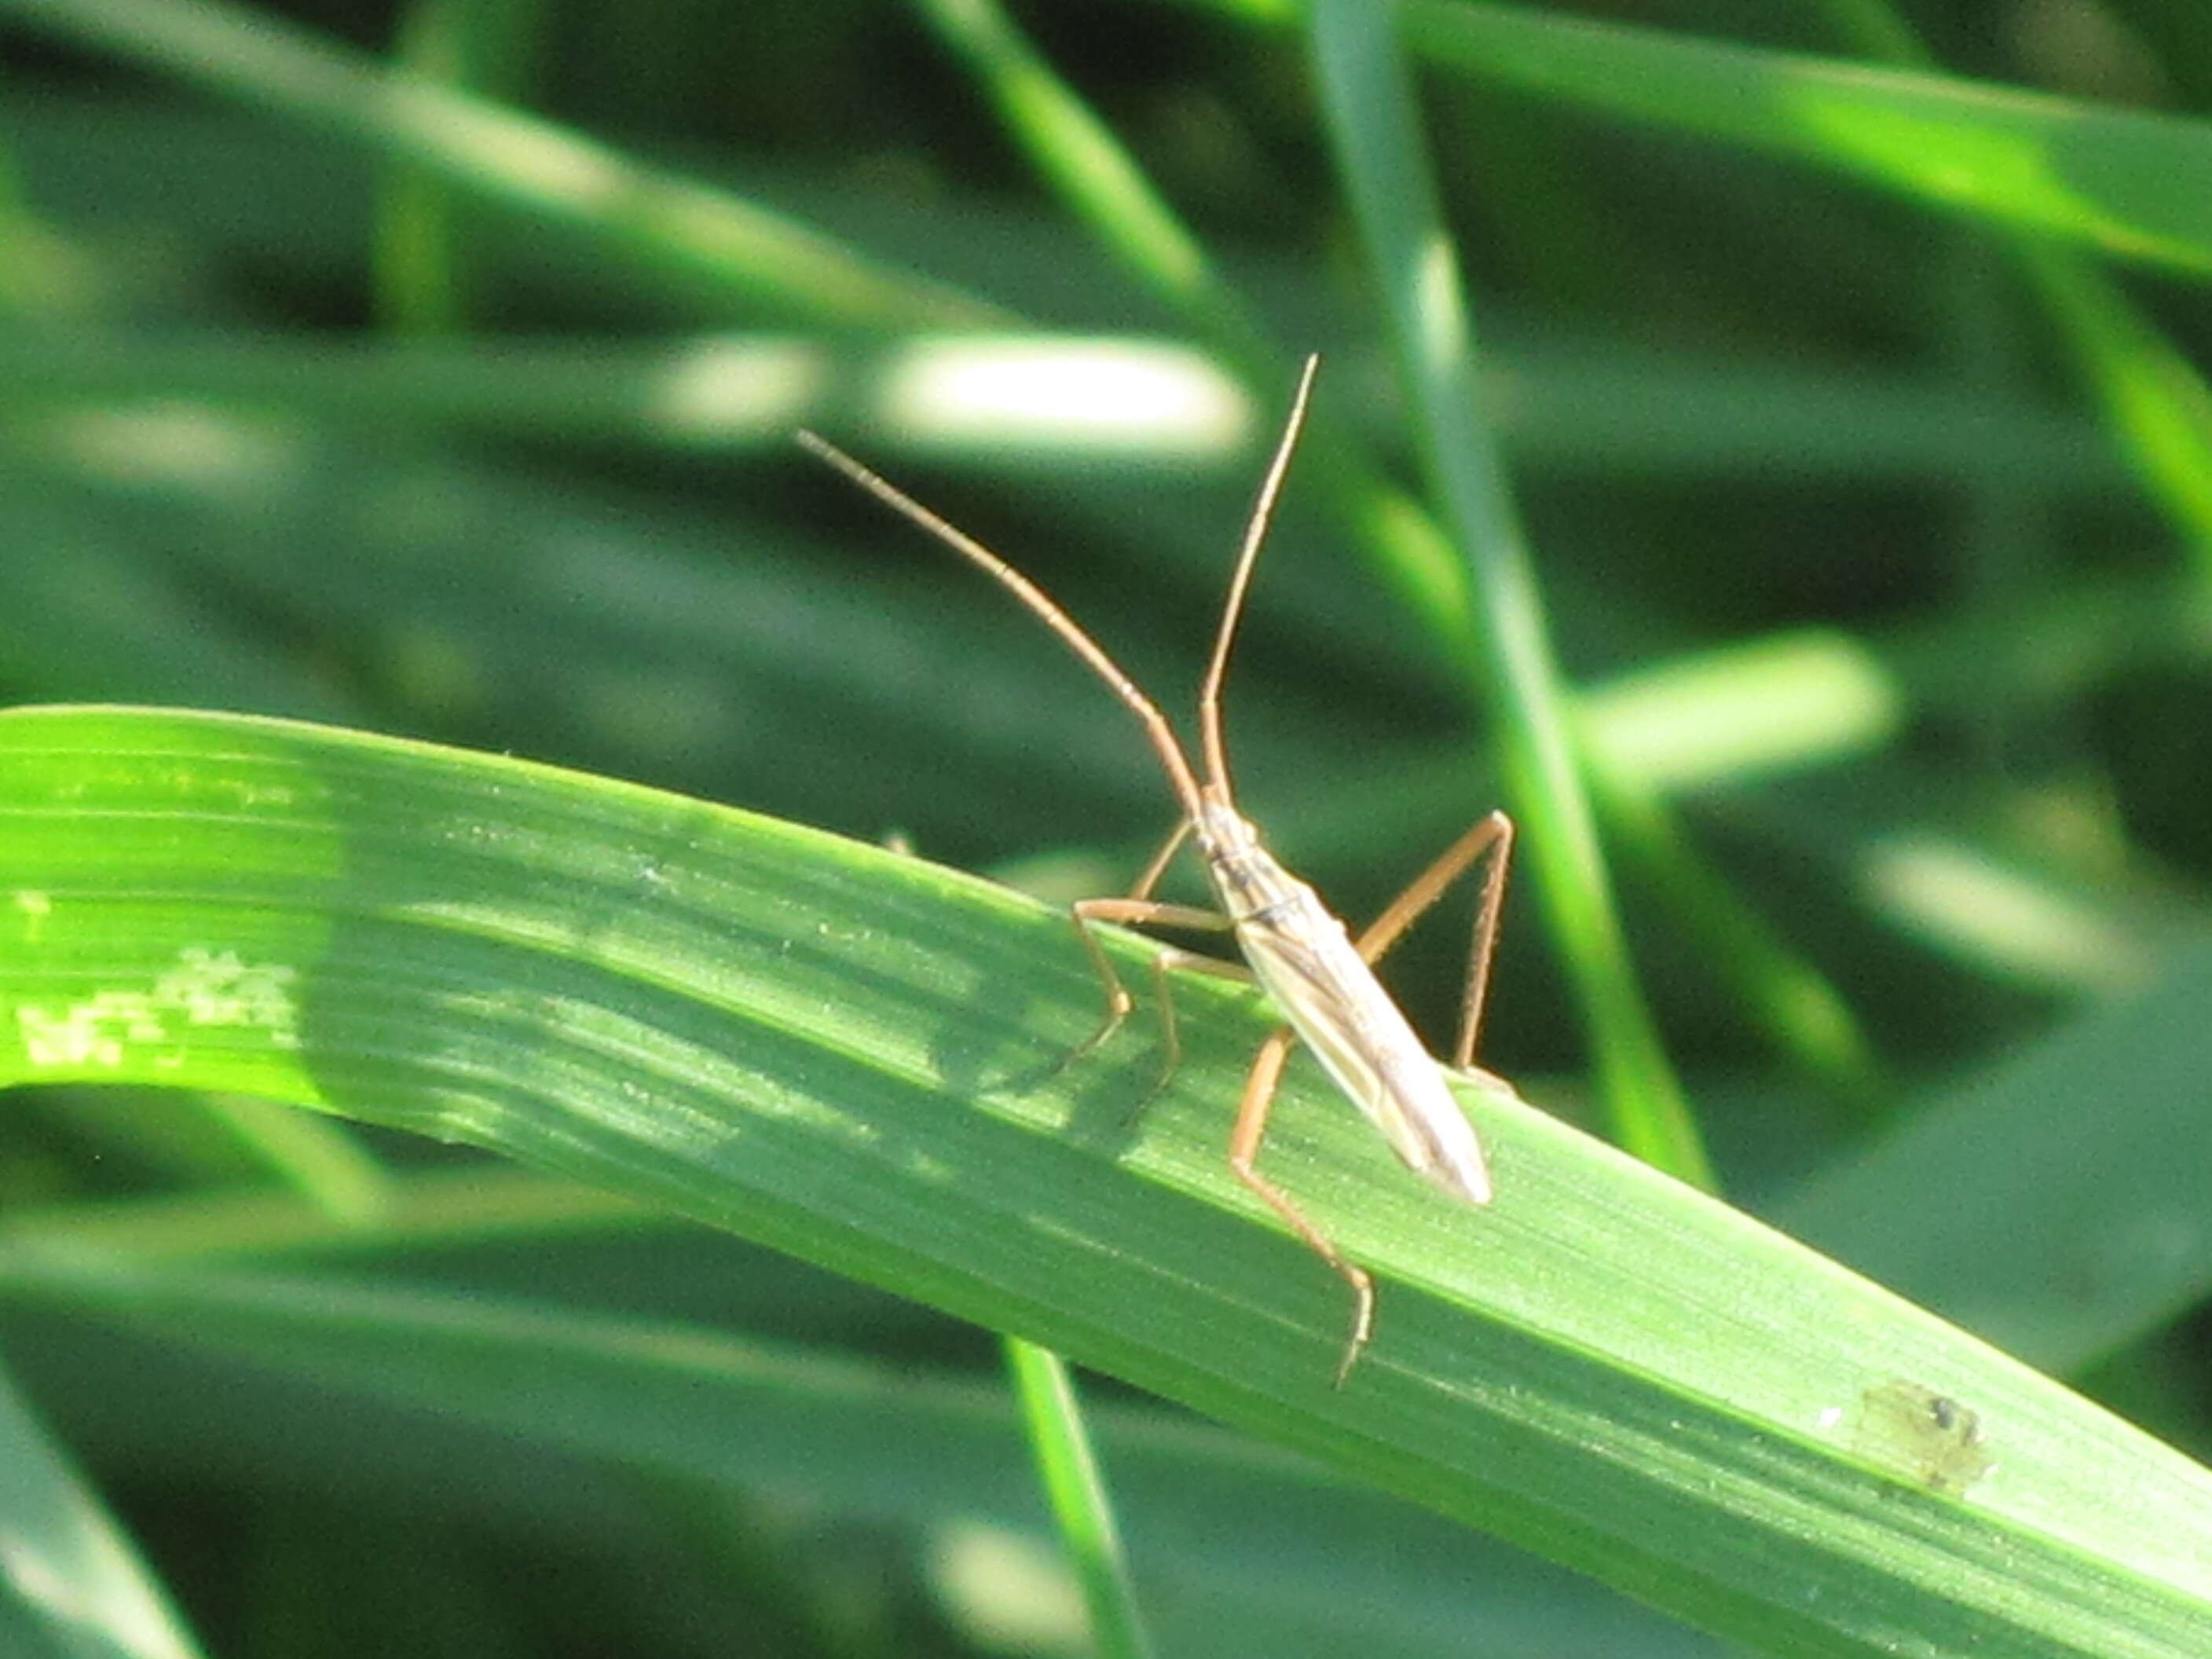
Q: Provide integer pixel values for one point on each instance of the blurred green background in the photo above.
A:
(1869, 494)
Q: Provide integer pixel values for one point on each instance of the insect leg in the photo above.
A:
(1141, 913)
(1493, 835)
(1158, 867)
(1084, 911)
(1243, 1156)
(1171, 1038)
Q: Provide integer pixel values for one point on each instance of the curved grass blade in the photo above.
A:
(849, 1056)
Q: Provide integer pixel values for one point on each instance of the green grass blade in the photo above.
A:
(1076, 1489)
(2062, 1228)
(850, 1056)
(2119, 181)
(417, 1210)
(76, 1588)
(2153, 398)
(705, 235)
(1369, 99)
(1090, 171)
(419, 256)
(1249, 1532)
(323, 1160)
(2153, 394)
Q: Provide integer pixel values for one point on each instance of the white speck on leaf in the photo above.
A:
(206, 989)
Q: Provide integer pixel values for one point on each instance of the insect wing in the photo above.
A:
(1300, 954)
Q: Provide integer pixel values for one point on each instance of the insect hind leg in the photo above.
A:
(1243, 1160)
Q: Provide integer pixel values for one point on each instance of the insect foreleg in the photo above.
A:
(1138, 908)
(1158, 867)
(1140, 913)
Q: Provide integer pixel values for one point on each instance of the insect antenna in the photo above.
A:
(1164, 743)
(1232, 609)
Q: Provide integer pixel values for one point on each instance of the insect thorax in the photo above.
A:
(1246, 877)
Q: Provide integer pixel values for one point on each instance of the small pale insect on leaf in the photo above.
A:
(1318, 975)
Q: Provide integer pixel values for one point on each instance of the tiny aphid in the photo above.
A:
(1931, 1436)
(1319, 977)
